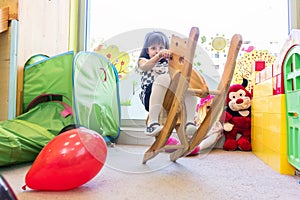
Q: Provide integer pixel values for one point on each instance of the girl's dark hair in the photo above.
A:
(155, 37)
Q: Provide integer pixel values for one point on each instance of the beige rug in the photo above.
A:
(214, 175)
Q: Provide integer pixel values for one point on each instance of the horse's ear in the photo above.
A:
(245, 83)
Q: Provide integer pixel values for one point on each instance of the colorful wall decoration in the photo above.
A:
(119, 59)
(245, 64)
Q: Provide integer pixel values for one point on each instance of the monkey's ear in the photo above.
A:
(245, 83)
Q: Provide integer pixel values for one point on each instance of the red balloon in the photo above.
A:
(68, 161)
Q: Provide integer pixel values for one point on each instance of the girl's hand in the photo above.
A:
(164, 53)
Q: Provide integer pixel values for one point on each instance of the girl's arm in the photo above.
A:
(145, 64)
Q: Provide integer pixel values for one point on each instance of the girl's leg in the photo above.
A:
(159, 89)
(190, 104)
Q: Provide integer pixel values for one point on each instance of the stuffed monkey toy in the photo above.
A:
(238, 118)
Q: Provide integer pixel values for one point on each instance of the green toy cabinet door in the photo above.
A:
(291, 73)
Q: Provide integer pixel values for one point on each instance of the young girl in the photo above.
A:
(153, 62)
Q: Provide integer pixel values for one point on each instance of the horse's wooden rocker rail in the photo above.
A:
(185, 79)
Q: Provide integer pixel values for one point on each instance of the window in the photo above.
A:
(258, 21)
(263, 24)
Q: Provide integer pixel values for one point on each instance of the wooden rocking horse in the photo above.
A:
(185, 79)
